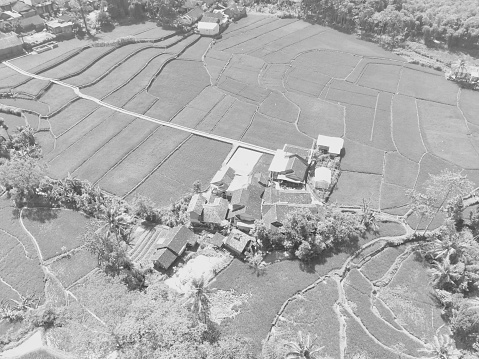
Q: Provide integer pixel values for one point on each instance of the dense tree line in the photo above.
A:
(454, 22)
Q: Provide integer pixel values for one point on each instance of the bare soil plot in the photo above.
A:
(409, 298)
(81, 151)
(400, 171)
(359, 123)
(272, 76)
(33, 87)
(122, 74)
(273, 134)
(469, 104)
(358, 291)
(278, 106)
(178, 84)
(105, 63)
(418, 84)
(55, 230)
(202, 157)
(446, 134)
(85, 58)
(134, 168)
(35, 106)
(382, 129)
(313, 313)
(74, 134)
(71, 268)
(236, 121)
(347, 93)
(406, 132)
(353, 187)
(303, 80)
(318, 116)
(331, 63)
(216, 114)
(381, 77)
(71, 115)
(121, 96)
(362, 158)
(115, 150)
(57, 96)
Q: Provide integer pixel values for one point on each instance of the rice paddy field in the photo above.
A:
(152, 118)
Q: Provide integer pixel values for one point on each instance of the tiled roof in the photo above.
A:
(237, 241)
(300, 151)
(9, 40)
(177, 238)
(196, 204)
(20, 6)
(33, 20)
(164, 257)
(297, 168)
(217, 239)
(215, 212)
(217, 15)
(195, 13)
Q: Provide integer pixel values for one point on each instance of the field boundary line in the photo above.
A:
(32, 238)
(476, 148)
(264, 19)
(392, 126)
(418, 169)
(223, 69)
(354, 69)
(399, 79)
(419, 126)
(211, 109)
(374, 118)
(27, 254)
(87, 66)
(11, 287)
(147, 118)
(383, 175)
(157, 166)
(76, 123)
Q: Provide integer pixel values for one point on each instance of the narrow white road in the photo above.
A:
(144, 117)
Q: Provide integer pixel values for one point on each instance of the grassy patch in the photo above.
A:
(406, 128)
(235, 122)
(358, 291)
(71, 115)
(318, 116)
(353, 187)
(381, 77)
(271, 133)
(178, 84)
(380, 264)
(362, 158)
(78, 153)
(400, 171)
(418, 84)
(409, 297)
(278, 106)
(313, 313)
(142, 160)
(70, 269)
(55, 230)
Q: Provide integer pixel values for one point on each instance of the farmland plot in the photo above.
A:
(381, 77)
(362, 158)
(13, 121)
(35, 106)
(330, 63)
(140, 103)
(393, 199)
(71, 268)
(244, 68)
(57, 96)
(272, 77)
(353, 187)
(70, 116)
(359, 123)
(400, 171)
(216, 114)
(305, 81)
(278, 106)
(346, 93)
(33, 87)
(469, 104)
(236, 121)
(381, 136)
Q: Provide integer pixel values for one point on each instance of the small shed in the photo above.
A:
(208, 28)
(322, 178)
(10, 45)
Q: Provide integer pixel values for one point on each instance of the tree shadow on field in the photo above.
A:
(41, 215)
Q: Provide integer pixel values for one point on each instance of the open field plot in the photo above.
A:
(359, 123)
(304, 81)
(278, 106)
(216, 113)
(71, 268)
(273, 134)
(446, 134)
(115, 150)
(406, 131)
(81, 129)
(469, 104)
(178, 84)
(78, 63)
(236, 121)
(57, 96)
(409, 297)
(381, 77)
(346, 93)
(55, 230)
(330, 63)
(35, 106)
(202, 156)
(104, 64)
(33, 87)
(362, 158)
(353, 187)
(427, 86)
(144, 159)
(69, 116)
(313, 313)
(79, 152)
(122, 74)
(318, 116)
(400, 171)
(137, 84)
(358, 291)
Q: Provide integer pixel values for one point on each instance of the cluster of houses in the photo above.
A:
(208, 17)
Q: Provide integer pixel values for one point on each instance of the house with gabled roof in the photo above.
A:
(217, 240)
(195, 208)
(171, 246)
(223, 178)
(246, 204)
(215, 213)
(193, 16)
(288, 167)
(237, 242)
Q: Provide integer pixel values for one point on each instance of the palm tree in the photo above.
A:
(443, 274)
(303, 348)
(198, 299)
(441, 348)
